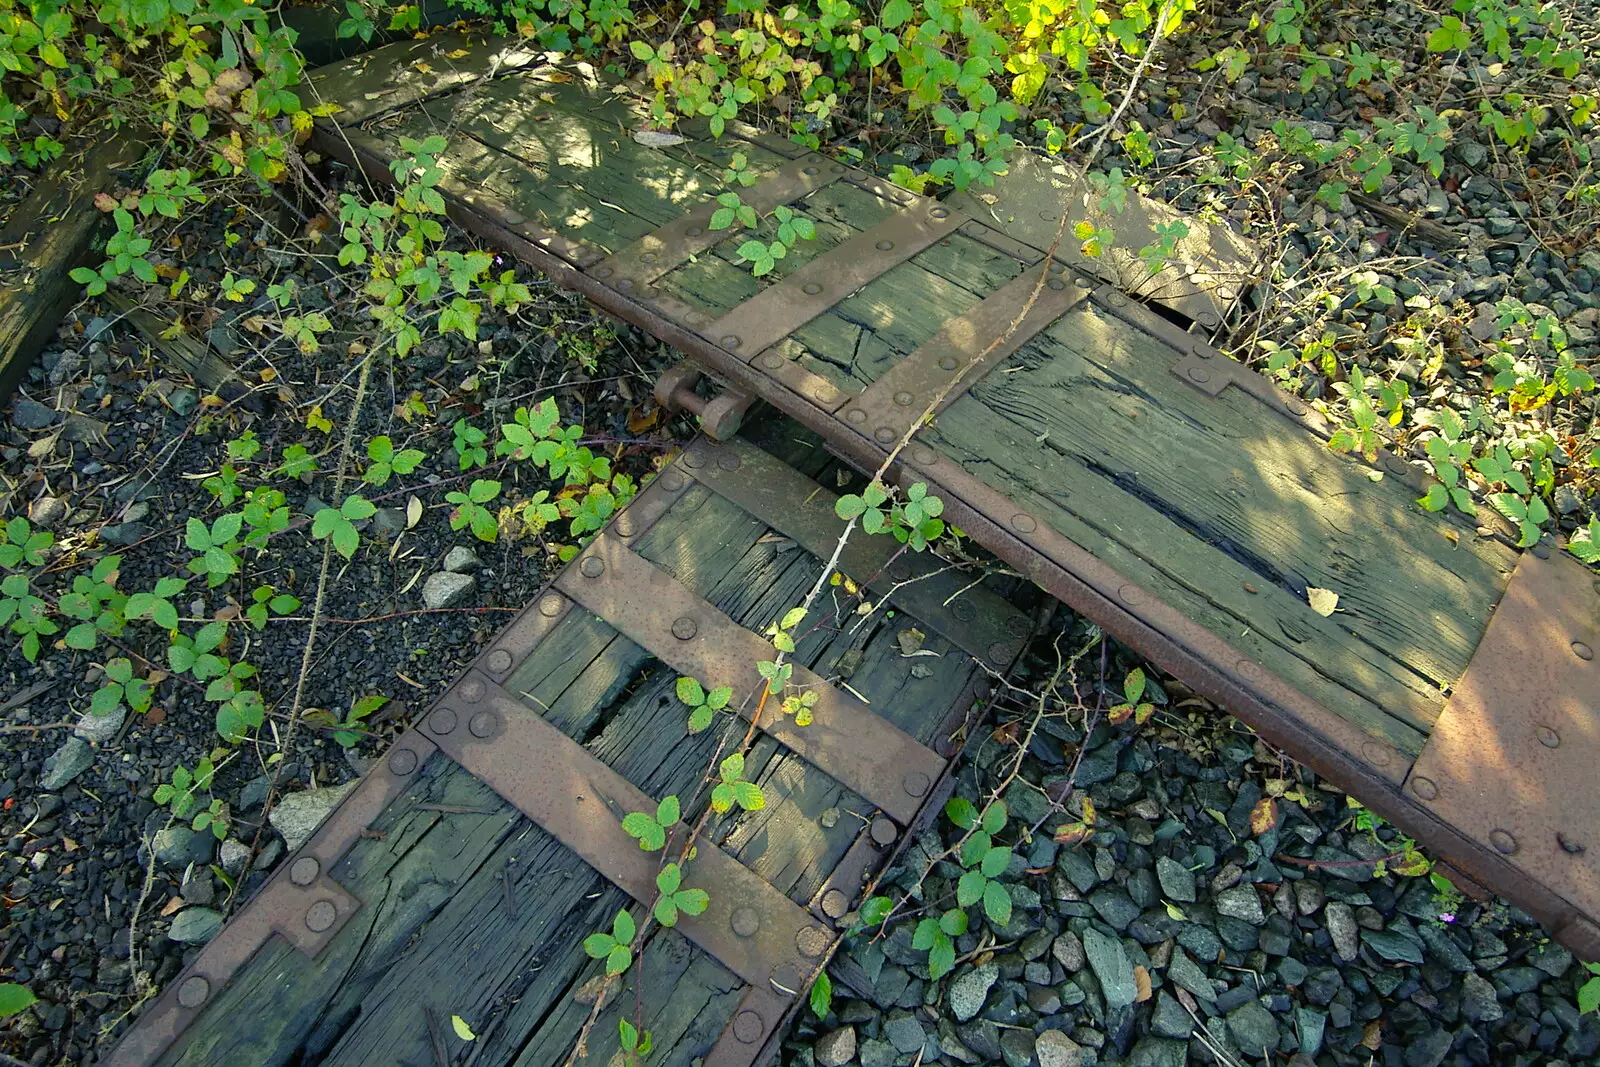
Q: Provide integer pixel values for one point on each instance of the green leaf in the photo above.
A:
(463, 1031)
(718, 698)
(875, 910)
(849, 506)
(994, 817)
(975, 848)
(822, 995)
(942, 957)
(1588, 997)
(15, 998)
(667, 812)
(693, 901)
(650, 834)
(995, 862)
(970, 888)
(690, 692)
(599, 946)
(997, 903)
(623, 927)
(953, 922)
(700, 718)
(922, 937)
(618, 960)
(961, 811)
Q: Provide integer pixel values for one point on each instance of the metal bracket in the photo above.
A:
(775, 313)
(300, 903)
(845, 740)
(660, 253)
(1522, 730)
(949, 361)
(720, 416)
(751, 928)
(971, 617)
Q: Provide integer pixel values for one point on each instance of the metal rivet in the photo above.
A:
(1130, 594)
(947, 363)
(772, 361)
(883, 435)
(1049, 216)
(603, 272)
(745, 922)
(975, 229)
(730, 340)
(624, 524)
(692, 460)
(193, 992)
(900, 571)
(835, 905)
(837, 168)
(472, 691)
(442, 721)
(1117, 299)
(811, 288)
(514, 219)
(916, 783)
(1057, 283)
(1081, 282)
(812, 941)
(1295, 407)
(1248, 669)
(1206, 318)
(402, 761)
(550, 605)
(320, 916)
(999, 652)
(785, 980)
(671, 481)
(884, 246)
(592, 567)
(1547, 737)
(1057, 267)
(924, 455)
(940, 212)
(1200, 349)
(883, 831)
(304, 870)
(903, 398)
(484, 724)
(1575, 848)
(1541, 551)
(748, 1027)
(1503, 842)
(625, 285)
(1582, 650)
(499, 661)
(693, 231)
(963, 611)
(648, 257)
(1022, 522)
(1199, 375)
(684, 628)
(1424, 788)
(813, 170)
(1377, 755)
(856, 415)
(728, 461)
(1018, 625)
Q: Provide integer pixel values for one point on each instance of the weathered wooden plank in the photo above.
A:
(407, 72)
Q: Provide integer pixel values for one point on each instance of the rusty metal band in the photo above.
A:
(845, 740)
(300, 903)
(1300, 726)
(775, 313)
(1521, 730)
(971, 617)
(663, 251)
(752, 929)
(949, 362)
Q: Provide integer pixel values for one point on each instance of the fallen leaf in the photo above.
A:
(155, 716)
(1009, 734)
(1141, 981)
(1264, 816)
(1372, 1037)
(640, 421)
(413, 512)
(658, 138)
(463, 1031)
(171, 906)
(1323, 601)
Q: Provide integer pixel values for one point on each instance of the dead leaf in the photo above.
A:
(1264, 816)
(155, 716)
(1323, 601)
(413, 512)
(658, 138)
(1372, 1037)
(1141, 981)
(640, 421)
(1071, 834)
(1009, 734)
(171, 906)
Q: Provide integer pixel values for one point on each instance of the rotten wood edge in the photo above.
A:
(1290, 720)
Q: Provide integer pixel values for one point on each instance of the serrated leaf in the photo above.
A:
(961, 811)
(994, 817)
(953, 922)
(997, 903)
(693, 901)
(718, 698)
(690, 692)
(970, 887)
(598, 946)
(1264, 816)
(668, 811)
(822, 995)
(942, 957)
(875, 910)
(619, 960)
(995, 862)
(700, 718)
(975, 848)
(922, 937)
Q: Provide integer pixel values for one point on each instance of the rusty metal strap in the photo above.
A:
(775, 313)
(890, 406)
(845, 740)
(1512, 758)
(751, 928)
(971, 617)
(300, 902)
(663, 251)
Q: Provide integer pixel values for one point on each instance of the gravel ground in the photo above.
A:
(107, 444)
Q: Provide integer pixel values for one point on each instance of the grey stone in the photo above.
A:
(876, 1053)
(1392, 946)
(1068, 951)
(1254, 1028)
(445, 590)
(297, 815)
(1520, 979)
(66, 763)
(1551, 958)
(232, 856)
(1471, 153)
(968, 992)
(195, 926)
(177, 845)
(1430, 1050)
(31, 415)
(47, 511)
(1240, 902)
(270, 853)
(1055, 1049)
(1443, 949)
(1078, 868)
(1340, 920)
(1478, 1000)
(99, 729)
(1158, 1052)
(837, 1047)
(1115, 907)
(1110, 965)
(1500, 227)
(388, 523)
(198, 888)
(461, 560)
(1185, 973)
(1177, 881)
(983, 1038)
(1142, 889)
(1204, 943)
(1310, 1025)
(1292, 971)
(1170, 1019)
(254, 793)
(904, 1033)
(1016, 1048)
